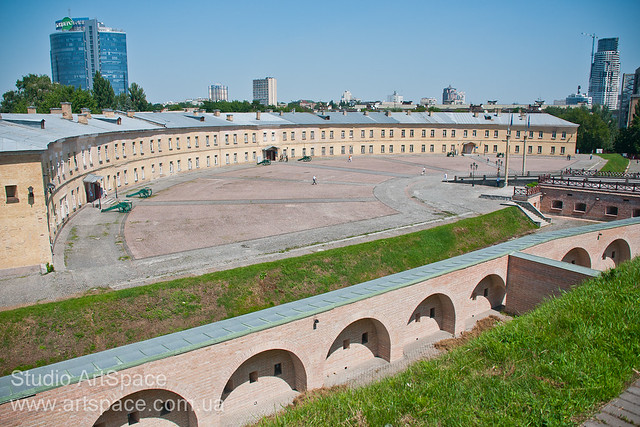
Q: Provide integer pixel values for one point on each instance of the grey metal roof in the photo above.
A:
(181, 342)
(22, 132)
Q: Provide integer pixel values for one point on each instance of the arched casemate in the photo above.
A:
(360, 342)
(617, 252)
(268, 374)
(153, 407)
(435, 313)
(489, 293)
(578, 256)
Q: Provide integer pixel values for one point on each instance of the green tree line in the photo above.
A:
(38, 91)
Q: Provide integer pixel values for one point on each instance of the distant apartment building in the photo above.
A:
(346, 97)
(395, 98)
(428, 101)
(578, 99)
(629, 94)
(605, 74)
(82, 46)
(266, 91)
(450, 95)
(218, 92)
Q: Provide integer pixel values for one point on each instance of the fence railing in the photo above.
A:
(597, 173)
(625, 187)
(526, 191)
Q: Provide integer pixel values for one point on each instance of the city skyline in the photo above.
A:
(509, 52)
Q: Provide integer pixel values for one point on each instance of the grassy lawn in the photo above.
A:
(615, 163)
(45, 333)
(553, 366)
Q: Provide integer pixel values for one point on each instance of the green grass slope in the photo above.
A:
(46, 333)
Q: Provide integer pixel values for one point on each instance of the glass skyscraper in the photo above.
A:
(605, 74)
(82, 46)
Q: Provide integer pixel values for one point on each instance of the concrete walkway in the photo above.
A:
(93, 250)
(621, 412)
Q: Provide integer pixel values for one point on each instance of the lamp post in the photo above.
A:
(498, 164)
(474, 167)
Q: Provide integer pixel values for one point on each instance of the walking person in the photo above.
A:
(315, 181)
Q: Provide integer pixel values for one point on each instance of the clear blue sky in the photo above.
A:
(512, 51)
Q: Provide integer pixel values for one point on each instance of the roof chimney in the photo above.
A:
(42, 124)
(366, 113)
(257, 115)
(31, 109)
(82, 119)
(281, 113)
(216, 113)
(429, 113)
(66, 110)
(108, 112)
(408, 112)
(387, 113)
(475, 114)
(344, 112)
(131, 113)
(230, 117)
(86, 112)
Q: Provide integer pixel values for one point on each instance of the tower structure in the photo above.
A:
(266, 91)
(604, 80)
(218, 92)
(82, 46)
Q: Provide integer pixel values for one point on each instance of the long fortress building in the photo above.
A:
(53, 164)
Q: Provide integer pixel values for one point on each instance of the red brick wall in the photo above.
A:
(596, 203)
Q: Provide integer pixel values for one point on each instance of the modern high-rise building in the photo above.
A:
(605, 74)
(266, 91)
(82, 46)
(218, 92)
(628, 81)
(450, 95)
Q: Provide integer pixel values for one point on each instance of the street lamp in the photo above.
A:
(499, 165)
(474, 167)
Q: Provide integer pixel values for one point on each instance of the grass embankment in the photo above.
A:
(47, 333)
(552, 366)
(615, 163)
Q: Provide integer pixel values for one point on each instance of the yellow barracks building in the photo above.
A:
(53, 164)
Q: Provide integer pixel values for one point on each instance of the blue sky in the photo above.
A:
(512, 51)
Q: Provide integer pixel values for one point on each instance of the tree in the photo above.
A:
(123, 102)
(597, 128)
(628, 140)
(31, 90)
(103, 92)
(138, 98)
(78, 98)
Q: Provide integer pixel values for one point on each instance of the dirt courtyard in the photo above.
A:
(223, 206)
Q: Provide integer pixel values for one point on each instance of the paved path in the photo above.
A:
(367, 199)
(621, 412)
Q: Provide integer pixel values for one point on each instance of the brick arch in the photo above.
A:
(438, 307)
(377, 341)
(617, 252)
(491, 289)
(578, 256)
(148, 404)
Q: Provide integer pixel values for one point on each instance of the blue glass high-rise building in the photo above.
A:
(82, 46)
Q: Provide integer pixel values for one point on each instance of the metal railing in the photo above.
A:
(597, 173)
(625, 187)
(526, 191)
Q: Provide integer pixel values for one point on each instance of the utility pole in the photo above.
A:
(506, 155)
(524, 147)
